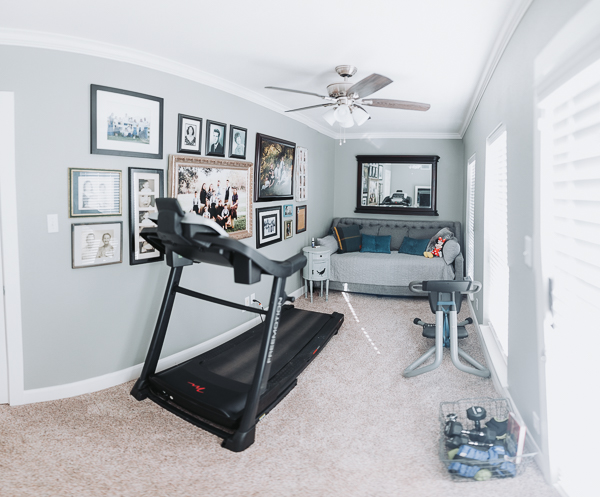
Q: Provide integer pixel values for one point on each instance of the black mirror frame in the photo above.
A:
(397, 159)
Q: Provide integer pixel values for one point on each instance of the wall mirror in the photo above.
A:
(397, 184)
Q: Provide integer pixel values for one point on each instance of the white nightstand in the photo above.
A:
(317, 269)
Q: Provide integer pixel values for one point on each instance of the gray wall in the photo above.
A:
(83, 323)
(450, 173)
(509, 99)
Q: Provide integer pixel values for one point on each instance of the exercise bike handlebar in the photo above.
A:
(462, 286)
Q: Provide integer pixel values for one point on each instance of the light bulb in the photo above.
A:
(342, 113)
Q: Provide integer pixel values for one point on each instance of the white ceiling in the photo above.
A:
(441, 52)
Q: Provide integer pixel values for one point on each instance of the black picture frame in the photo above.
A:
(94, 192)
(145, 186)
(272, 153)
(186, 125)
(85, 252)
(234, 132)
(268, 226)
(141, 135)
(219, 150)
(300, 219)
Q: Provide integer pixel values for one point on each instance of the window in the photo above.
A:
(496, 237)
(470, 217)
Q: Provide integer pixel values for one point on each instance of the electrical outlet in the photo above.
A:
(246, 302)
(252, 299)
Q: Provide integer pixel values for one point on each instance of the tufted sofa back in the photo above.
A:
(399, 228)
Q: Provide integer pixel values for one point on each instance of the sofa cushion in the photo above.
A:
(444, 234)
(421, 232)
(397, 235)
(329, 242)
(348, 238)
(376, 244)
(413, 246)
(450, 251)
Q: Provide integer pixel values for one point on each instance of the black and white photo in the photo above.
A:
(268, 228)
(96, 244)
(215, 138)
(145, 186)
(189, 134)
(126, 123)
(94, 192)
(237, 142)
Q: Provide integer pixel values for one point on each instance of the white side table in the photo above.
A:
(317, 269)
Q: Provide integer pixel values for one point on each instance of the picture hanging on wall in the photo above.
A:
(274, 169)
(217, 189)
(215, 138)
(288, 229)
(94, 192)
(268, 228)
(237, 142)
(96, 244)
(145, 186)
(300, 219)
(126, 123)
(189, 135)
(288, 210)
(301, 173)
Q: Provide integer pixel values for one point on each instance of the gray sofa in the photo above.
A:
(390, 274)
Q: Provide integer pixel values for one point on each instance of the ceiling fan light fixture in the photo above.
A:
(342, 113)
(360, 116)
(347, 123)
(329, 116)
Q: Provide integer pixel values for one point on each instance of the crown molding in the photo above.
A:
(513, 19)
(399, 134)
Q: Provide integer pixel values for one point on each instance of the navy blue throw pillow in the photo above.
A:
(348, 238)
(377, 244)
(413, 246)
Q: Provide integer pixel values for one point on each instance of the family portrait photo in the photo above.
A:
(274, 168)
(215, 189)
(94, 192)
(126, 123)
(268, 226)
(237, 142)
(96, 244)
(189, 134)
(215, 138)
(145, 186)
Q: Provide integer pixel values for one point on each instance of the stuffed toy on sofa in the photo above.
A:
(437, 250)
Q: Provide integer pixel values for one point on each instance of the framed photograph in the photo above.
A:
(94, 192)
(301, 173)
(274, 169)
(217, 189)
(215, 138)
(189, 134)
(96, 244)
(288, 229)
(300, 219)
(145, 186)
(268, 227)
(288, 210)
(126, 123)
(237, 142)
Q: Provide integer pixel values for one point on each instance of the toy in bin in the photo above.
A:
(483, 452)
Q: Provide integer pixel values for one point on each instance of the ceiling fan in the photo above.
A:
(346, 100)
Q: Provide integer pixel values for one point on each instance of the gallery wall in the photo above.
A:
(85, 323)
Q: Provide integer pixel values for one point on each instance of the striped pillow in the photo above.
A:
(348, 237)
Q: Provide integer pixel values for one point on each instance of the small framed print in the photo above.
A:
(126, 123)
(288, 229)
(215, 138)
(237, 142)
(189, 135)
(300, 219)
(145, 186)
(268, 226)
(288, 210)
(96, 244)
(301, 173)
(94, 192)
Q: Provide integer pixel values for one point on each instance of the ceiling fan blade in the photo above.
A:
(311, 107)
(370, 84)
(295, 91)
(395, 104)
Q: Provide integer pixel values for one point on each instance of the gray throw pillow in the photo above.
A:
(329, 242)
(445, 233)
(450, 251)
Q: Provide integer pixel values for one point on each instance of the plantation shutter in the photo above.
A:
(496, 236)
(470, 215)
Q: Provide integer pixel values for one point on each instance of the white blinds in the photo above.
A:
(470, 215)
(496, 236)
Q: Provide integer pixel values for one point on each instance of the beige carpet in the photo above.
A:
(354, 426)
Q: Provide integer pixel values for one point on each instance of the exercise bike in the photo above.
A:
(445, 297)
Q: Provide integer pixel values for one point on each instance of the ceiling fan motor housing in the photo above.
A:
(336, 90)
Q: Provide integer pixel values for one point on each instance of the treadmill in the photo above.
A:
(228, 389)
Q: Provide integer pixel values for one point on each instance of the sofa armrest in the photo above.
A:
(459, 267)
